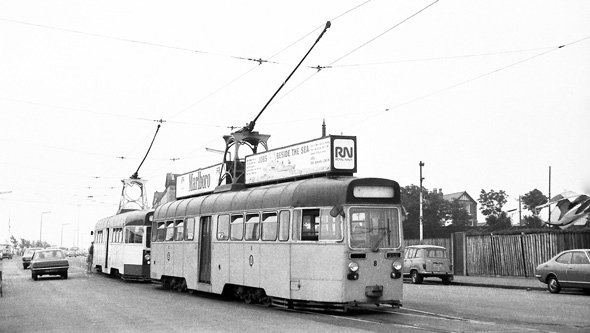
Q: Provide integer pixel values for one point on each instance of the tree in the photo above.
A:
(533, 199)
(410, 198)
(533, 222)
(491, 206)
(435, 211)
(492, 202)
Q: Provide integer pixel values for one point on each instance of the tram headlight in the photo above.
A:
(397, 269)
(147, 257)
(353, 266)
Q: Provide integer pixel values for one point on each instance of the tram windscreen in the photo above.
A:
(374, 228)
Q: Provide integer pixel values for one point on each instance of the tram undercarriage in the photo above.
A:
(252, 295)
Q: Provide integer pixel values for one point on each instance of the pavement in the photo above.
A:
(506, 282)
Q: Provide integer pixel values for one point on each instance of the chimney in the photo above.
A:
(440, 191)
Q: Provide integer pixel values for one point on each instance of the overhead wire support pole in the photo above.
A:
(421, 164)
(251, 125)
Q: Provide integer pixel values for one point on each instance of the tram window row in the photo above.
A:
(132, 235)
(308, 225)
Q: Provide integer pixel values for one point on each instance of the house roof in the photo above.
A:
(461, 196)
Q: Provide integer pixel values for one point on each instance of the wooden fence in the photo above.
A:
(509, 255)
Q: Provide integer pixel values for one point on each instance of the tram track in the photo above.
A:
(366, 316)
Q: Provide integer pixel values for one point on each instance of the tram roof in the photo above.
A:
(313, 192)
(136, 217)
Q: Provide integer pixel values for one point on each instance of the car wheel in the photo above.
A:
(446, 280)
(65, 275)
(34, 276)
(553, 285)
(416, 277)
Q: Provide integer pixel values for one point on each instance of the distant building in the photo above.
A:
(465, 200)
(169, 193)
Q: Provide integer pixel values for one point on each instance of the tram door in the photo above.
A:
(205, 250)
(106, 253)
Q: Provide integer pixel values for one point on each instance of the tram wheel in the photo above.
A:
(266, 301)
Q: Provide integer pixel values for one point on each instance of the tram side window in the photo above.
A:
(190, 229)
(252, 227)
(117, 236)
(134, 235)
(169, 231)
(310, 220)
(284, 221)
(160, 232)
(98, 236)
(223, 227)
(237, 227)
(330, 227)
(269, 226)
(179, 227)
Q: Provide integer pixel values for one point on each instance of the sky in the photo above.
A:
(488, 94)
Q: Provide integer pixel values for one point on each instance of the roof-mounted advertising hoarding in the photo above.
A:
(330, 155)
(198, 182)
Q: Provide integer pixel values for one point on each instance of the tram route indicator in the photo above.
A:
(330, 154)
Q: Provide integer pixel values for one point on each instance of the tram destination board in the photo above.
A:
(327, 155)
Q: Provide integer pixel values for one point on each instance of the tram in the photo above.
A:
(331, 241)
(122, 245)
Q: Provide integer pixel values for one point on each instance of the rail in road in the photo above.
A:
(97, 303)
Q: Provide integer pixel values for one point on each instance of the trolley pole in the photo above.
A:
(421, 213)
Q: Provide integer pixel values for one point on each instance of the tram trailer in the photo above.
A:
(122, 245)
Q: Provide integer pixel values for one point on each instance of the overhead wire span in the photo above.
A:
(383, 33)
(319, 68)
(472, 79)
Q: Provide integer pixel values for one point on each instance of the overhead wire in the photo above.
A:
(472, 79)
(319, 68)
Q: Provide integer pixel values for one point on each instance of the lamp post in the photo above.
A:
(41, 225)
(61, 242)
(421, 164)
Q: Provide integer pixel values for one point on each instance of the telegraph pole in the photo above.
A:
(421, 164)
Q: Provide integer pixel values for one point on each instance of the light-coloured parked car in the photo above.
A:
(422, 261)
(568, 269)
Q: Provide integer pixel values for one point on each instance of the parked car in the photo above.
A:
(27, 255)
(422, 261)
(6, 254)
(568, 269)
(49, 262)
(73, 252)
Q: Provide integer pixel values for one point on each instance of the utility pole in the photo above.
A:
(549, 198)
(520, 210)
(421, 213)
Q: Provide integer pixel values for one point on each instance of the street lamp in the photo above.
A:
(421, 164)
(61, 242)
(41, 225)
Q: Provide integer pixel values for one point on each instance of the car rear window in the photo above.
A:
(437, 253)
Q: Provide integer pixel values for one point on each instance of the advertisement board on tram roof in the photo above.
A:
(198, 182)
(327, 155)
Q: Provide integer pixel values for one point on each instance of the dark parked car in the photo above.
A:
(421, 261)
(49, 262)
(27, 255)
(568, 269)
